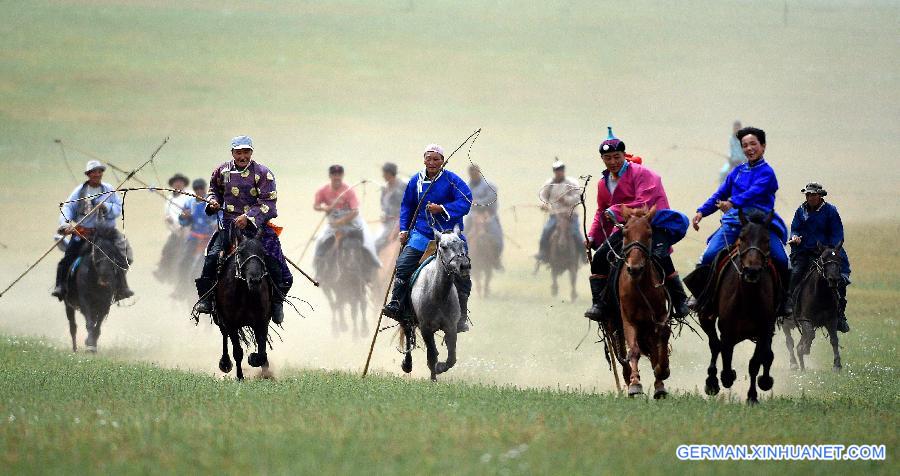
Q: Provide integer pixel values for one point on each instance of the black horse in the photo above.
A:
(818, 305)
(91, 288)
(243, 300)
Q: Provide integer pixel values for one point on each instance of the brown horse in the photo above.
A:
(746, 305)
(643, 304)
(484, 251)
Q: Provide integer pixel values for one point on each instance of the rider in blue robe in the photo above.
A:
(749, 188)
(444, 206)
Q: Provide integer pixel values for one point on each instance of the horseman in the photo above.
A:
(245, 191)
(171, 252)
(630, 184)
(559, 195)
(345, 224)
(391, 196)
(201, 225)
(817, 222)
(104, 217)
(485, 202)
(750, 188)
(735, 153)
(445, 200)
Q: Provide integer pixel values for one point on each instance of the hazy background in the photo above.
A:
(361, 83)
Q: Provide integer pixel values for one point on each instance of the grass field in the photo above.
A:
(360, 83)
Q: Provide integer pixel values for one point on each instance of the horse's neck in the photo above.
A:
(438, 279)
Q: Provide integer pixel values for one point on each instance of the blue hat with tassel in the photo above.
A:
(611, 144)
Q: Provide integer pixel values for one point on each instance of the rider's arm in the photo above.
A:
(835, 228)
(264, 209)
(215, 191)
(461, 202)
(594, 233)
(113, 203)
(647, 192)
(721, 193)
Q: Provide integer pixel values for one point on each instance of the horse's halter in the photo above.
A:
(446, 265)
(742, 252)
(822, 264)
(241, 263)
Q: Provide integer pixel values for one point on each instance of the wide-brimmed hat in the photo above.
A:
(93, 165)
(178, 177)
(816, 188)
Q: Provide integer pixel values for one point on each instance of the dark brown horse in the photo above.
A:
(244, 301)
(817, 306)
(484, 250)
(643, 304)
(745, 308)
(565, 253)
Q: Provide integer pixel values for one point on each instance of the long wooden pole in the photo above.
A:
(613, 358)
(412, 219)
(89, 213)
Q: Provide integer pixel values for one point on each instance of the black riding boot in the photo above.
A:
(598, 284)
(273, 266)
(696, 282)
(679, 297)
(394, 309)
(463, 325)
(59, 291)
(842, 326)
(205, 284)
(796, 276)
(122, 289)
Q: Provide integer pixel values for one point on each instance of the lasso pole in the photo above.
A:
(613, 358)
(412, 220)
(88, 214)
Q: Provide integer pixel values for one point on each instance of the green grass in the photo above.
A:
(64, 413)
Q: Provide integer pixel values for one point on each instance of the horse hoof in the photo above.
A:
(794, 366)
(765, 382)
(91, 348)
(712, 386)
(660, 393)
(752, 401)
(635, 389)
(837, 369)
(728, 377)
(257, 360)
(225, 365)
(441, 367)
(407, 364)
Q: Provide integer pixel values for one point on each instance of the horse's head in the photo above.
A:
(451, 251)
(753, 245)
(637, 238)
(829, 264)
(105, 257)
(249, 256)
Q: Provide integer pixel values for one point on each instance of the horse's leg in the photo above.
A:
(835, 347)
(728, 375)
(73, 327)
(487, 282)
(634, 354)
(621, 353)
(764, 345)
(554, 288)
(709, 327)
(408, 342)
(224, 362)
(238, 353)
(450, 342)
(431, 350)
(753, 370)
(786, 326)
(661, 365)
(572, 279)
(807, 334)
(259, 358)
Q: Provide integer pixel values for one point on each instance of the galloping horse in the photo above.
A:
(243, 300)
(565, 253)
(643, 303)
(91, 287)
(746, 306)
(485, 249)
(435, 303)
(345, 279)
(817, 306)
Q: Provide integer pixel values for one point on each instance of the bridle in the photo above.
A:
(446, 265)
(241, 263)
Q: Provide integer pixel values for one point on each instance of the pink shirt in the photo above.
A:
(637, 187)
(328, 196)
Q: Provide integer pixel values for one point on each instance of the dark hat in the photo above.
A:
(611, 144)
(198, 183)
(335, 169)
(177, 177)
(816, 188)
(390, 168)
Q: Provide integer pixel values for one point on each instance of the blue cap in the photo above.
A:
(242, 142)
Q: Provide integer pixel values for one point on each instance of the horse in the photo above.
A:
(485, 249)
(91, 288)
(745, 308)
(243, 300)
(388, 257)
(817, 306)
(643, 303)
(435, 303)
(565, 253)
(345, 279)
